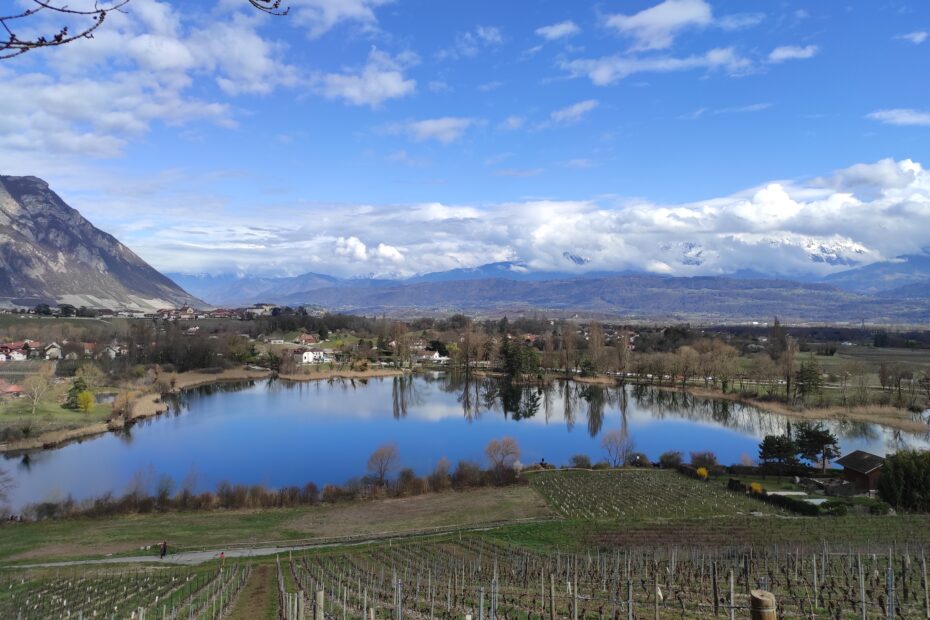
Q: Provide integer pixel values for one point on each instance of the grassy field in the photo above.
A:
(259, 598)
(213, 530)
(49, 415)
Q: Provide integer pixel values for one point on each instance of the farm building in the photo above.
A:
(862, 469)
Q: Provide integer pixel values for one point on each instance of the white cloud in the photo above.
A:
(560, 30)
(519, 172)
(446, 130)
(740, 21)
(861, 214)
(655, 28)
(352, 247)
(470, 44)
(792, 52)
(916, 38)
(321, 16)
(388, 253)
(573, 113)
(382, 78)
(610, 69)
(94, 98)
(512, 123)
(901, 117)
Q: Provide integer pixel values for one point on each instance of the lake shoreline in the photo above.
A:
(881, 415)
(151, 404)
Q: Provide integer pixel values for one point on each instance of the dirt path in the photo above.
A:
(258, 600)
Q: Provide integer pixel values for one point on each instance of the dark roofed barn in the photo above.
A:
(862, 469)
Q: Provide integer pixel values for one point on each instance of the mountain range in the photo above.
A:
(50, 253)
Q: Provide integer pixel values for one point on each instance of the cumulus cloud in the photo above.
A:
(382, 78)
(610, 69)
(351, 247)
(858, 215)
(656, 27)
(321, 16)
(792, 52)
(903, 117)
(94, 98)
(560, 30)
(445, 130)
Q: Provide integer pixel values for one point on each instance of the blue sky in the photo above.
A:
(395, 137)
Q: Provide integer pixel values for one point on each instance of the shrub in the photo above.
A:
(600, 465)
(580, 461)
(671, 459)
(790, 503)
(638, 459)
(756, 489)
(905, 481)
(466, 475)
(702, 473)
(707, 460)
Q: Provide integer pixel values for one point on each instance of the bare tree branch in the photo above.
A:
(91, 19)
(272, 7)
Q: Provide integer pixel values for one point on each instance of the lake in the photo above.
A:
(278, 433)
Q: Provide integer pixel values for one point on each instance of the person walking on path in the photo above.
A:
(164, 549)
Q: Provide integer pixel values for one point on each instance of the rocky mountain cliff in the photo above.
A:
(49, 253)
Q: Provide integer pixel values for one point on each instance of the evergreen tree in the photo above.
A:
(778, 449)
(817, 443)
(77, 386)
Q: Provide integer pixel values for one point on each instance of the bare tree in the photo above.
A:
(502, 454)
(37, 385)
(82, 23)
(6, 485)
(619, 446)
(596, 344)
(382, 461)
(567, 347)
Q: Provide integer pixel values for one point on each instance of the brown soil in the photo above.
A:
(433, 510)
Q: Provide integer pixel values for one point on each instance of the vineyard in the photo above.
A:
(486, 580)
(471, 575)
(639, 494)
(120, 593)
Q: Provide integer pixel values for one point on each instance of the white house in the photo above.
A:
(432, 357)
(17, 355)
(312, 357)
(52, 351)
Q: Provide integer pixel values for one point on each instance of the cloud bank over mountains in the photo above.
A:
(858, 215)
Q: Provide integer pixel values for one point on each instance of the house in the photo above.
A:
(431, 357)
(52, 351)
(311, 356)
(109, 351)
(862, 469)
(10, 391)
(306, 339)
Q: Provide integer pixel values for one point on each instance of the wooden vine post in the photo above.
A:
(762, 605)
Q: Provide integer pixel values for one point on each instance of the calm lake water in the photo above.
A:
(278, 434)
